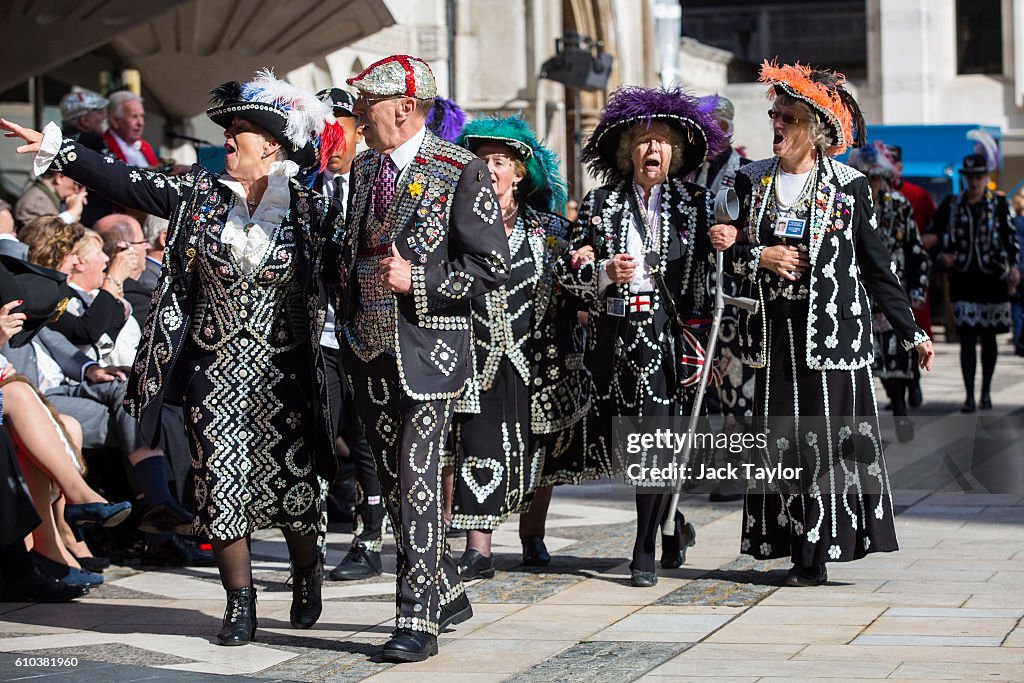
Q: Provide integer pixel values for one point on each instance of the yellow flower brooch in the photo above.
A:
(415, 189)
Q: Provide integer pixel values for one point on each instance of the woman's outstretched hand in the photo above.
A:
(32, 137)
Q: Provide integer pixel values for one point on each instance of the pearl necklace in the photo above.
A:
(805, 192)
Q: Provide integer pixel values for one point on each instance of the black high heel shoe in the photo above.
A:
(307, 603)
(103, 514)
(239, 625)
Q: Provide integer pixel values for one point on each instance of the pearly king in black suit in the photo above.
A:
(407, 356)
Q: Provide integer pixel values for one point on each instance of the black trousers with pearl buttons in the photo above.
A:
(407, 439)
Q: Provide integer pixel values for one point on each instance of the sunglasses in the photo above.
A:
(787, 119)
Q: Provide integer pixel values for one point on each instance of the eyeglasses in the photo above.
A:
(787, 119)
(372, 100)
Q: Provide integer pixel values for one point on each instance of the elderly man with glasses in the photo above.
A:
(423, 237)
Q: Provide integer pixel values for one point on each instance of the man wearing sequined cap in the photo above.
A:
(423, 237)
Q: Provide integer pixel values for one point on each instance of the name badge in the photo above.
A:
(616, 307)
(792, 228)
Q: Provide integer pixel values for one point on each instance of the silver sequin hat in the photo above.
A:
(397, 76)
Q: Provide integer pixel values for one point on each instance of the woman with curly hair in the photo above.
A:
(60, 246)
(652, 237)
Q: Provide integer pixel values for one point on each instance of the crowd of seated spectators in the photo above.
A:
(81, 485)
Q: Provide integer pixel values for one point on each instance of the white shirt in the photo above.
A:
(790, 185)
(404, 154)
(642, 281)
(249, 236)
(50, 374)
(132, 151)
(336, 185)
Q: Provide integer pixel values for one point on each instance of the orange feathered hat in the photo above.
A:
(823, 91)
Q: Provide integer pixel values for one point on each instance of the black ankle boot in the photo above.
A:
(239, 627)
(306, 601)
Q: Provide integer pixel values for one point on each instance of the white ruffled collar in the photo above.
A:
(248, 235)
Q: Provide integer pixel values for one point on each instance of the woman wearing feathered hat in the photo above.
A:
(979, 251)
(233, 335)
(811, 256)
(519, 414)
(645, 224)
(894, 216)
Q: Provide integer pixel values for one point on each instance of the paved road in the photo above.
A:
(948, 606)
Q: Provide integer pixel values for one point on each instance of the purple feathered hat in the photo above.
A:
(632, 105)
(446, 119)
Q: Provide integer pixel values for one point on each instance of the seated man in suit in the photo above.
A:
(121, 232)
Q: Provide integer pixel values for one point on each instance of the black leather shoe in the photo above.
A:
(673, 548)
(968, 406)
(239, 625)
(358, 563)
(914, 397)
(804, 577)
(904, 429)
(167, 516)
(986, 402)
(475, 565)
(104, 514)
(409, 646)
(306, 601)
(639, 579)
(38, 586)
(456, 612)
(175, 551)
(535, 553)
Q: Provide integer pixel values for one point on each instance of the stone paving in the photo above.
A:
(948, 606)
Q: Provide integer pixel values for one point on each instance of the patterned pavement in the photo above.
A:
(948, 606)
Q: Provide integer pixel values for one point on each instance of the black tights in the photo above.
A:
(651, 511)
(969, 338)
(234, 561)
(897, 391)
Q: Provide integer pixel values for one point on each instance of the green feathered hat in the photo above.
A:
(543, 188)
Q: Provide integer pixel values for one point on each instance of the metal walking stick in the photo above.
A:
(727, 208)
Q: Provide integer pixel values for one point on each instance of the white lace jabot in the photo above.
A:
(249, 236)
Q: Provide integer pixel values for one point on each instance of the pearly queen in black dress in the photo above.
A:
(249, 403)
(519, 421)
(810, 343)
(233, 335)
